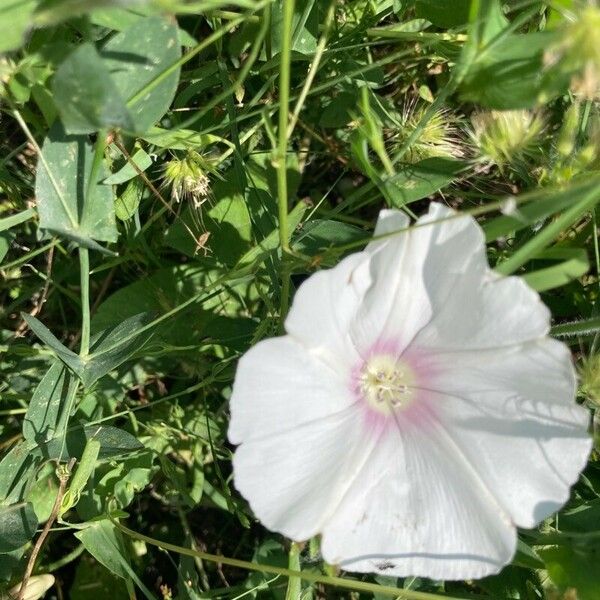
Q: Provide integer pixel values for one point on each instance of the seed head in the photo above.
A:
(441, 135)
(188, 178)
(506, 138)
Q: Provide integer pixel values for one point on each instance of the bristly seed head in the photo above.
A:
(188, 178)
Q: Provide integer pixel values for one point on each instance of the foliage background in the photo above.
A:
(171, 170)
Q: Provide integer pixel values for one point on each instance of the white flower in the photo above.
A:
(415, 413)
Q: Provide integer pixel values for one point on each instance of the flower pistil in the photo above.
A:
(385, 383)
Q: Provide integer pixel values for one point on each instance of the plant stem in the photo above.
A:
(281, 155)
(284, 111)
(63, 479)
(64, 560)
(84, 273)
(313, 67)
(294, 587)
(310, 576)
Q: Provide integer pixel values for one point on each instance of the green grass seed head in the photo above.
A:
(506, 138)
(441, 136)
(187, 178)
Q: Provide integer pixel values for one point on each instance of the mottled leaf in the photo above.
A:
(140, 61)
(86, 97)
(70, 198)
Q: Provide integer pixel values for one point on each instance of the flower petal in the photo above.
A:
(325, 304)
(279, 386)
(417, 508)
(390, 223)
(295, 480)
(486, 312)
(414, 273)
(513, 414)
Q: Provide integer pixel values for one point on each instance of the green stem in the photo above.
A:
(281, 152)
(294, 587)
(84, 268)
(313, 67)
(349, 584)
(284, 112)
(65, 560)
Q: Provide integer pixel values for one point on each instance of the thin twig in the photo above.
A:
(39, 303)
(63, 480)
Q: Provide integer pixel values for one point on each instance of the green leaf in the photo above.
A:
(319, 235)
(47, 414)
(127, 203)
(43, 491)
(91, 575)
(305, 26)
(543, 238)
(573, 264)
(109, 348)
(543, 203)
(141, 62)
(113, 442)
(15, 19)
(72, 360)
(115, 345)
(18, 524)
(182, 139)
(86, 97)
(15, 470)
(6, 238)
(337, 112)
(583, 518)
(271, 242)
(416, 181)
(140, 158)
(509, 74)
(227, 220)
(443, 15)
(105, 543)
(71, 200)
(526, 556)
(17, 219)
(574, 567)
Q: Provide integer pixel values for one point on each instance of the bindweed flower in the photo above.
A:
(415, 414)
